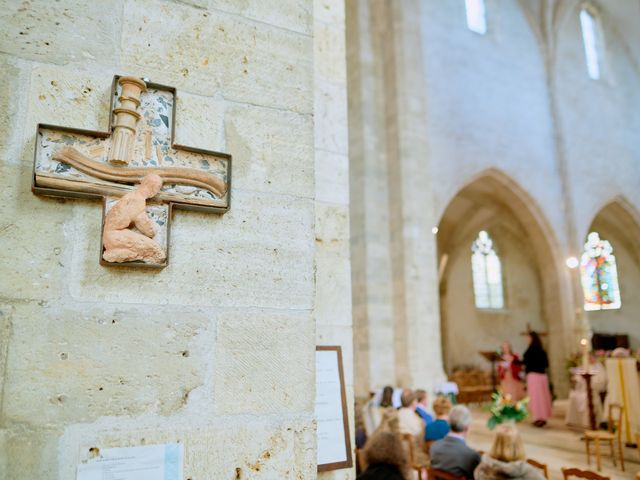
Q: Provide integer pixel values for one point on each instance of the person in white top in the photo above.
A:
(410, 421)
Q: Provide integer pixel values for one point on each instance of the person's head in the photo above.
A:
(390, 421)
(421, 397)
(150, 185)
(507, 444)
(387, 397)
(459, 419)
(506, 348)
(534, 340)
(441, 406)
(385, 448)
(408, 398)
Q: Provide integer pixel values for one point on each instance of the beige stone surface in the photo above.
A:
(264, 238)
(211, 51)
(215, 351)
(269, 155)
(257, 370)
(333, 306)
(69, 32)
(289, 14)
(200, 122)
(68, 364)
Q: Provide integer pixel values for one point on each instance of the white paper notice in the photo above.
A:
(331, 437)
(152, 462)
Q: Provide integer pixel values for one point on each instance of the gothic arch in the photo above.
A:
(618, 222)
(493, 200)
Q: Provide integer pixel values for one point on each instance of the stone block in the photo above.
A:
(264, 363)
(332, 177)
(74, 363)
(61, 32)
(28, 454)
(259, 254)
(207, 52)
(35, 244)
(272, 150)
(329, 12)
(14, 74)
(288, 14)
(69, 98)
(331, 129)
(282, 448)
(329, 52)
(200, 122)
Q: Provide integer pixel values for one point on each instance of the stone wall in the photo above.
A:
(515, 104)
(216, 350)
(333, 271)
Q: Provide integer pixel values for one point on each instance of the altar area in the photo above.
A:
(555, 445)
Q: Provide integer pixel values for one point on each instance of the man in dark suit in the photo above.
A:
(452, 454)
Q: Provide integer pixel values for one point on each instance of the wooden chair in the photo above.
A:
(576, 472)
(410, 443)
(361, 461)
(540, 466)
(436, 474)
(609, 436)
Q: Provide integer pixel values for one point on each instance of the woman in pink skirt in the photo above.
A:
(536, 363)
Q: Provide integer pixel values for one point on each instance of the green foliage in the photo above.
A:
(503, 409)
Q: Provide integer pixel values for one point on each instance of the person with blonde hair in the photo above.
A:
(439, 428)
(506, 459)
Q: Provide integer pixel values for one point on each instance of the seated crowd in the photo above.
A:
(437, 441)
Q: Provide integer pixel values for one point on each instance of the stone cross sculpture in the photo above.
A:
(138, 149)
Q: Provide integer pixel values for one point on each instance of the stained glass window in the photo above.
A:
(599, 275)
(487, 273)
(592, 40)
(476, 20)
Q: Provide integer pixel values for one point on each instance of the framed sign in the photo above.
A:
(334, 441)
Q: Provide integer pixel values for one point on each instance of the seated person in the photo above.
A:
(375, 407)
(409, 422)
(421, 407)
(506, 458)
(452, 454)
(385, 458)
(439, 428)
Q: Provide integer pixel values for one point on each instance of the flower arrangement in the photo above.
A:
(504, 409)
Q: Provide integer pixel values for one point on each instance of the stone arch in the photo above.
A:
(618, 222)
(492, 200)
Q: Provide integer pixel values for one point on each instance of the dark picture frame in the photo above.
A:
(348, 463)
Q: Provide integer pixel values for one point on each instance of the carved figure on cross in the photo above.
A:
(109, 165)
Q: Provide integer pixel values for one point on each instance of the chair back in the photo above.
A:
(409, 441)
(437, 474)
(615, 419)
(539, 466)
(588, 474)
(361, 461)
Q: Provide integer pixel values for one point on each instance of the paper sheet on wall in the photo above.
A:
(331, 434)
(151, 462)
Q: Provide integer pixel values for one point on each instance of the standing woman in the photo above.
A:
(509, 369)
(536, 363)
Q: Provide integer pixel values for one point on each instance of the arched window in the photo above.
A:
(476, 17)
(599, 275)
(487, 273)
(592, 41)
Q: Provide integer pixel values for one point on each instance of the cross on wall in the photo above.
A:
(106, 165)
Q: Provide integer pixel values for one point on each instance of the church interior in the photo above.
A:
(333, 239)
